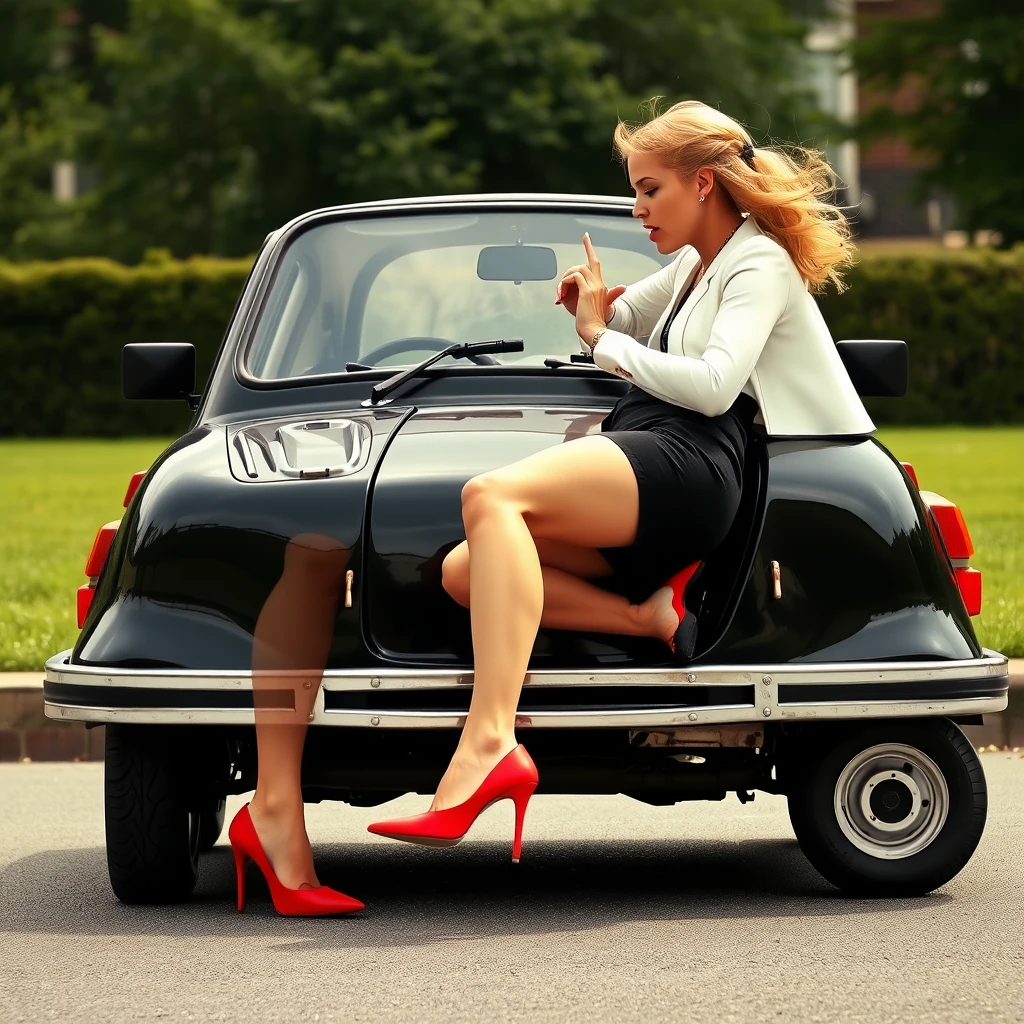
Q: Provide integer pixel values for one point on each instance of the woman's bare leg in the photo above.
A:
(583, 492)
(570, 602)
(290, 646)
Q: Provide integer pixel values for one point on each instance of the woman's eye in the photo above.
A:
(650, 191)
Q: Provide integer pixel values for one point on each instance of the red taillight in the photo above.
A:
(85, 593)
(133, 486)
(100, 548)
(969, 582)
(911, 472)
(959, 547)
(951, 525)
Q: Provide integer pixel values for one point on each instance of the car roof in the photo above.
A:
(411, 204)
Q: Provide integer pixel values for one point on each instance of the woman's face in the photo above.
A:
(667, 205)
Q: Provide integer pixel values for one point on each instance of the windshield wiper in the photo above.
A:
(576, 357)
(380, 392)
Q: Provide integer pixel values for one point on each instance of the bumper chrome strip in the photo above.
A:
(765, 679)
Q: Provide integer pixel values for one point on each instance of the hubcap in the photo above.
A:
(891, 801)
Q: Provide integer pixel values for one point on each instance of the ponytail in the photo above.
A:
(787, 195)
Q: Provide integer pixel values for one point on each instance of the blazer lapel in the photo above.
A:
(745, 230)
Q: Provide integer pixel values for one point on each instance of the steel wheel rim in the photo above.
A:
(891, 801)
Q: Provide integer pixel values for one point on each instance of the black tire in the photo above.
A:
(833, 823)
(152, 836)
(211, 823)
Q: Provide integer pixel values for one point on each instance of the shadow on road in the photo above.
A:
(416, 896)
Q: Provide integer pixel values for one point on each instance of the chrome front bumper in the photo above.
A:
(579, 699)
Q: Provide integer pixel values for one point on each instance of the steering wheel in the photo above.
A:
(414, 342)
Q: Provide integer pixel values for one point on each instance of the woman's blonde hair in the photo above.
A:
(788, 198)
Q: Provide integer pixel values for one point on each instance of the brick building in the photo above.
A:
(876, 178)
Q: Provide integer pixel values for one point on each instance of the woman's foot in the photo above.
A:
(660, 617)
(282, 834)
(469, 766)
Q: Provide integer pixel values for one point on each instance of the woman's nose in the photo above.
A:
(638, 209)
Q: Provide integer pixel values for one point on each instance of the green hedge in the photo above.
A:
(962, 317)
(62, 325)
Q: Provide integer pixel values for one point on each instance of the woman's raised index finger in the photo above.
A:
(589, 246)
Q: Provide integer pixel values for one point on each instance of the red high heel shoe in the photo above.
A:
(319, 902)
(685, 639)
(514, 778)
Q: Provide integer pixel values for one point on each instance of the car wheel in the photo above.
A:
(211, 823)
(152, 836)
(889, 809)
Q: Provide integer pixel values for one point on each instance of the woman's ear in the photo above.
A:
(705, 179)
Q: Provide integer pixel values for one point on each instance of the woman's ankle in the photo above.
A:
(277, 807)
(485, 745)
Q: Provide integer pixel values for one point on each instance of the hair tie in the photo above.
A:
(747, 153)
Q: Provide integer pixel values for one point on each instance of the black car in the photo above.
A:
(379, 356)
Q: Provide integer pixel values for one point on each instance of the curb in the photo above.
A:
(26, 734)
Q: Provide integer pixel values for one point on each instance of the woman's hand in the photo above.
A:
(583, 293)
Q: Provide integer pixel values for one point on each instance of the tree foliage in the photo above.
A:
(964, 66)
(199, 125)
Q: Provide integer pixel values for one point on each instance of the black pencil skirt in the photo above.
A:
(689, 472)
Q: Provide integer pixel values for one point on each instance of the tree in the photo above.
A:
(529, 103)
(203, 124)
(739, 55)
(218, 129)
(965, 69)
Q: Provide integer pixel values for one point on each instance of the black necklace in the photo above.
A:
(689, 291)
(720, 248)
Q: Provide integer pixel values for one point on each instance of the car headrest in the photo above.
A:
(878, 369)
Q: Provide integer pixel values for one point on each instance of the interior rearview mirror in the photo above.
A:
(158, 370)
(516, 263)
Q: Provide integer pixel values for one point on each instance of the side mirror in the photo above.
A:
(878, 369)
(159, 370)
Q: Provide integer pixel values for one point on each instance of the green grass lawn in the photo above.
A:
(982, 470)
(58, 492)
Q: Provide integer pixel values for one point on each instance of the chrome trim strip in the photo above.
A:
(674, 717)
(766, 677)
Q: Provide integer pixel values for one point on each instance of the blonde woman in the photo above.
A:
(735, 337)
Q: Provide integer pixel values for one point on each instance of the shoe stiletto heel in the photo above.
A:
(521, 796)
(318, 902)
(514, 778)
(685, 639)
(240, 864)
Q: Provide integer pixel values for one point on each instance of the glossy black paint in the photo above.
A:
(199, 551)
(862, 575)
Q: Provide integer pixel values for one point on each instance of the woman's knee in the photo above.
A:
(482, 490)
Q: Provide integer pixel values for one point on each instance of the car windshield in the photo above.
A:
(388, 291)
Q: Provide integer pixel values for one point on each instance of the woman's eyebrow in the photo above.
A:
(640, 181)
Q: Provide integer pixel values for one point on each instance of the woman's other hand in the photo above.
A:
(587, 276)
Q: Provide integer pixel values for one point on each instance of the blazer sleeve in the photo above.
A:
(636, 310)
(754, 295)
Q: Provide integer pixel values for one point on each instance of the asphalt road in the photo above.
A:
(618, 912)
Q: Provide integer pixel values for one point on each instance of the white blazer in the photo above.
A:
(750, 325)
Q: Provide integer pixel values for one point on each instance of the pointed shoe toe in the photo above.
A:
(320, 902)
